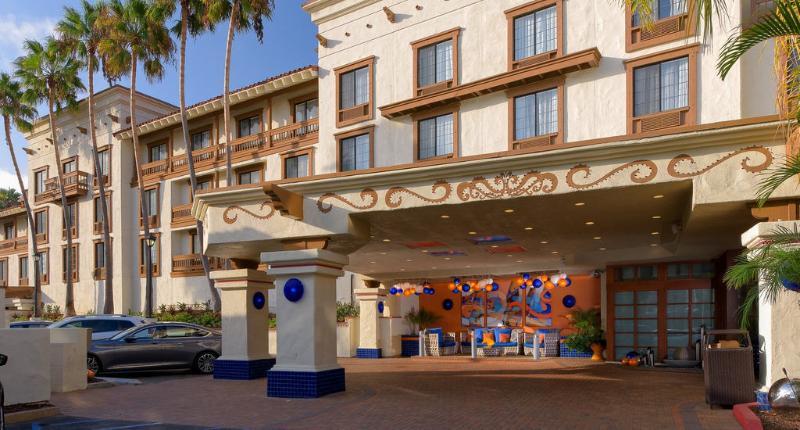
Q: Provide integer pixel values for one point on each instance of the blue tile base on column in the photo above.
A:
(242, 369)
(369, 353)
(304, 385)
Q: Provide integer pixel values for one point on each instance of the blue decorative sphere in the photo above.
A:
(259, 300)
(495, 286)
(523, 286)
(537, 283)
(431, 291)
(792, 286)
(380, 307)
(526, 276)
(547, 295)
(447, 304)
(465, 288)
(568, 301)
(393, 291)
(293, 290)
(568, 281)
(456, 291)
(456, 281)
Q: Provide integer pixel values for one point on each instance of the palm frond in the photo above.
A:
(773, 178)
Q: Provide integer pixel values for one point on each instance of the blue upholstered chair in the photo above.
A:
(438, 343)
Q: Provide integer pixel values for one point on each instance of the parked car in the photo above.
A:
(30, 324)
(103, 326)
(156, 346)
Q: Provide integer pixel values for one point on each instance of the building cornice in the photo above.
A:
(317, 6)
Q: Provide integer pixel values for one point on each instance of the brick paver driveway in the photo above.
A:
(426, 393)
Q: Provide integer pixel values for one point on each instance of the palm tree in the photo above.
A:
(193, 21)
(80, 34)
(701, 12)
(14, 110)
(136, 32)
(49, 74)
(242, 15)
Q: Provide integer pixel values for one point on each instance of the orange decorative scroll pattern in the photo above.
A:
(688, 163)
(638, 174)
(394, 196)
(226, 216)
(507, 184)
(369, 198)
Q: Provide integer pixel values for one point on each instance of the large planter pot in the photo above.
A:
(597, 352)
(409, 346)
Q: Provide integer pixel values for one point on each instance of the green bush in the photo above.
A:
(346, 310)
(587, 330)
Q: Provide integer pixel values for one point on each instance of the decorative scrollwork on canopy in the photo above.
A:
(643, 171)
(685, 166)
(507, 184)
(394, 195)
(368, 196)
(226, 216)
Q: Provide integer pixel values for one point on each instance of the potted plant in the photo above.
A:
(588, 336)
(416, 321)
(347, 329)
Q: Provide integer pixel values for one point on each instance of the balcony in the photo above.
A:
(244, 148)
(192, 265)
(75, 184)
(182, 216)
(12, 246)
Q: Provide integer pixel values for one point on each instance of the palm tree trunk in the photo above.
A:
(69, 308)
(108, 302)
(37, 284)
(226, 102)
(148, 264)
(190, 157)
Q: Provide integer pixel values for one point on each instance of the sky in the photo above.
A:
(288, 43)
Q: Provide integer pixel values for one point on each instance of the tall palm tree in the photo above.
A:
(136, 32)
(701, 12)
(193, 21)
(49, 74)
(242, 15)
(15, 110)
(80, 34)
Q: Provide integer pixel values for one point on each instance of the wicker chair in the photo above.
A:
(438, 343)
(549, 338)
(513, 347)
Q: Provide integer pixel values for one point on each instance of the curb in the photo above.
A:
(746, 418)
(34, 414)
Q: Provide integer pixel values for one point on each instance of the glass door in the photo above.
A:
(635, 321)
(687, 311)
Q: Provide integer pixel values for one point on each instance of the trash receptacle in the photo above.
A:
(728, 367)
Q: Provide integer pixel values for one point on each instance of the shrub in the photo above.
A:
(421, 319)
(587, 330)
(346, 310)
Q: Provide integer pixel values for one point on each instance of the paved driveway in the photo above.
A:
(424, 393)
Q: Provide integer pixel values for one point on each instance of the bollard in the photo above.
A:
(421, 343)
(474, 346)
(536, 344)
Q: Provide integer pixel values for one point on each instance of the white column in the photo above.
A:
(245, 324)
(306, 360)
(369, 299)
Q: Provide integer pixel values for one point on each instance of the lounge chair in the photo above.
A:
(548, 339)
(510, 347)
(437, 343)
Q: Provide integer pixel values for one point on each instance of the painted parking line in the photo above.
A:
(83, 423)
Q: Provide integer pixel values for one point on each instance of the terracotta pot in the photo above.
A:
(597, 352)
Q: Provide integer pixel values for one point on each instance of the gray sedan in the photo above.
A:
(163, 345)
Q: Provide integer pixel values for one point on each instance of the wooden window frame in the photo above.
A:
(536, 141)
(210, 129)
(107, 183)
(445, 110)
(155, 220)
(76, 260)
(370, 130)
(259, 113)
(69, 160)
(75, 226)
(525, 9)
(23, 282)
(99, 273)
(686, 116)
(211, 178)
(250, 168)
(46, 238)
(157, 263)
(46, 170)
(453, 34)
(673, 28)
(163, 141)
(97, 226)
(368, 108)
(13, 225)
(45, 280)
(309, 151)
(4, 281)
(300, 99)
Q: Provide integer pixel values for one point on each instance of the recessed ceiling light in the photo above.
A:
(602, 249)
(472, 232)
(655, 233)
(509, 255)
(544, 242)
(509, 211)
(467, 267)
(554, 252)
(445, 216)
(447, 258)
(580, 203)
(519, 261)
(383, 253)
(658, 196)
(529, 228)
(371, 262)
(653, 244)
(409, 260)
(656, 217)
(589, 223)
(424, 250)
(494, 246)
(387, 240)
(402, 270)
(597, 237)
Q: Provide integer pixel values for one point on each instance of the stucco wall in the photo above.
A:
(26, 376)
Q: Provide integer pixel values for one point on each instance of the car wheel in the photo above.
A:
(93, 363)
(204, 362)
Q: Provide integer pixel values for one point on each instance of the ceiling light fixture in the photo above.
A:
(589, 223)
(656, 217)
(528, 228)
(597, 238)
(554, 252)
(387, 240)
(601, 249)
(544, 242)
(655, 233)
(472, 232)
(509, 211)
(658, 196)
(445, 216)
(580, 204)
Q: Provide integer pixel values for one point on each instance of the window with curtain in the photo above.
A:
(23, 268)
(72, 214)
(201, 140)
(354, 88)
(296, 167)
(73, 258)
(70, 166)
(99, 255)
(40, 220)
(306, 110)
(195, 242)
(104, 160)
(248, 126)
(354, 152)
(661, 87)
(4, 272)
(662, 9)
(249, 177)
(435, 136)
(158, 152)
(536, 114)
(8, 231)
(435, 63)
(151, 199)
(43, 266)
(39, 179)
(535, 33)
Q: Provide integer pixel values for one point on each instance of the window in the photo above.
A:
(72, 215)
(44, 267)
(306, 110)
(155, 255)
(104, 160)
(98, 214)
(23, 270)
(355, 150)
(249, 176)
(436, 136)
(662, 90)
(151, 201)
(158, 152)
(196, 246)
(39, 179)
(203, 184)
(184, 331)
(534, 33)
(69, 165)
(354, 86)
(670, 21)
(436, 62)
(297, 164)
(4, 272)
(40, 225)
(662, 9)
(99, 260)
(535, 114)
(201, 140)
(73, 258)
(249, 126)
(8, 231)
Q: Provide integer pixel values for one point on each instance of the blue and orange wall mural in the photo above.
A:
(511, 306)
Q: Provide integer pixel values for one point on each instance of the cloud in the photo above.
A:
(8, 179)
(14, 31)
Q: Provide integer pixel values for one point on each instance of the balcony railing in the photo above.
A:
(242, 148)
(182, 216)
(192, 264)
(75, 184)
(11, 246)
